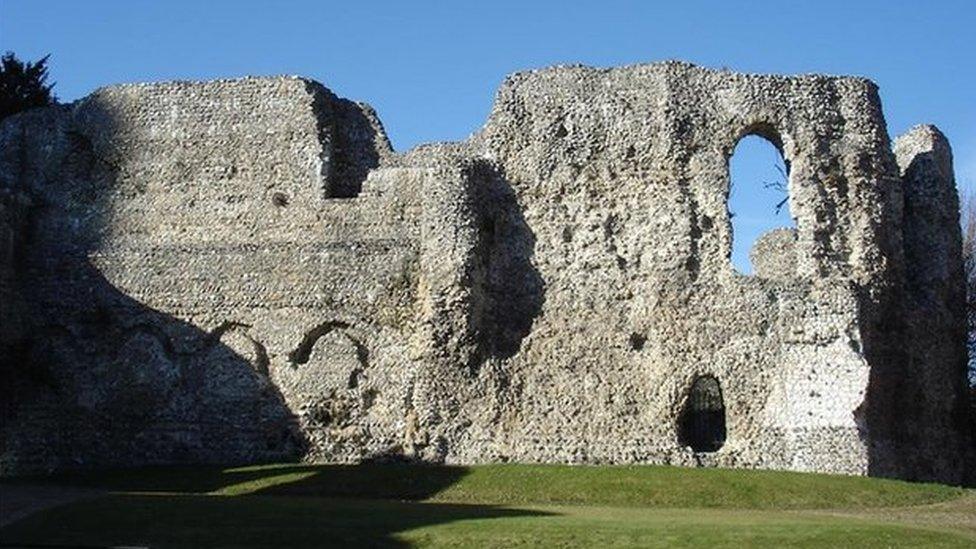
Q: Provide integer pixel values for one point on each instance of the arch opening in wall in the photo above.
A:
(758, 200)
(702, 421)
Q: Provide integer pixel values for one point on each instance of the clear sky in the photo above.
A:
(431, 68)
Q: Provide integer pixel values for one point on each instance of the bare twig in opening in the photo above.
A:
(780, 185)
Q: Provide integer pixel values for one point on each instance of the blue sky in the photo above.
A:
(431, 68)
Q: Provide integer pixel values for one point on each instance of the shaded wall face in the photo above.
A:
(933, 433)
(183, 257)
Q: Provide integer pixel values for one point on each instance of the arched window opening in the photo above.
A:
(758, 196)
(702, 423)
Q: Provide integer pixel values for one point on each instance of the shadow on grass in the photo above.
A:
(286, 506)
(364, 481)
(168, 520)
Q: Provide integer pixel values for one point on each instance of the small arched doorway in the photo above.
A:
(702, 422)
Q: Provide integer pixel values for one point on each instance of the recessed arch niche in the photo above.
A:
(701, 425)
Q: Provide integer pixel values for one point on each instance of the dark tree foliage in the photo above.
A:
(23, 85)
(968, 211)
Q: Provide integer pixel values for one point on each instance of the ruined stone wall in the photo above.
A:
(621, 177)
(243, 270)
(183, 239)
(935, 311)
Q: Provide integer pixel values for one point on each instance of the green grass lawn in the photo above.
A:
(499, 506)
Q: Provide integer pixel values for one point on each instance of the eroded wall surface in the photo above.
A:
(243, 270)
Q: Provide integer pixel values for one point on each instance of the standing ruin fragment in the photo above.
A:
(243, 270)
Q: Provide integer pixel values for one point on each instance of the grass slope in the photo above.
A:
(496, 505)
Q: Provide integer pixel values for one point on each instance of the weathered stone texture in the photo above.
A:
(935, 308)
(243, 270)
(773, 256)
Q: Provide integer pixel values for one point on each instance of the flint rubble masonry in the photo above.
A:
(243, 270)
